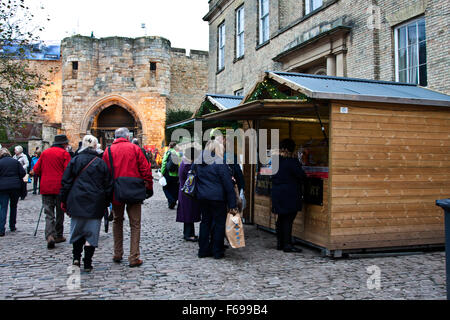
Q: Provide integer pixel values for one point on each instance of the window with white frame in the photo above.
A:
(221, 45)
(263, 21)
(311, 5)
(411, 53)
(240, 32)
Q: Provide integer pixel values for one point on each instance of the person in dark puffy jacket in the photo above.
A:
(287, 194)
(86, 191)
(215, 192)
(11, 175)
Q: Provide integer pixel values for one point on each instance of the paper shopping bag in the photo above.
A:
(234, 231)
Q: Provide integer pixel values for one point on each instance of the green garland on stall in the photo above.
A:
(205, 108)
(274, 93)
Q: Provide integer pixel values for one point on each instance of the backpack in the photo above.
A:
(172, 162)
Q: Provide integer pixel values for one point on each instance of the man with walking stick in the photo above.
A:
(50, 167)
(39, 219)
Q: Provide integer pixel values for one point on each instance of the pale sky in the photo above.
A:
(180, 21)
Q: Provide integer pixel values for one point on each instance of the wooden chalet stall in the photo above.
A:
(377, 155)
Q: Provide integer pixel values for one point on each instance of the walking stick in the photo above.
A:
(40, 213)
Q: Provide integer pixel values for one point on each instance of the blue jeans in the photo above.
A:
(5, 197)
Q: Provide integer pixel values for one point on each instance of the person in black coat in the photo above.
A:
(215, 192)
(86, 191)
(11, 180)
(287, 186)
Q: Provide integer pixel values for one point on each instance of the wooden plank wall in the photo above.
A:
(311, 224)
(388, 166)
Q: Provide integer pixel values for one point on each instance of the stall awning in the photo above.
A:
(350, 89)
(224, 102)
(211, 103)
(265, 109)
(306, 94)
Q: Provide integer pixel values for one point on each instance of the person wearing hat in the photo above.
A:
(50, 167)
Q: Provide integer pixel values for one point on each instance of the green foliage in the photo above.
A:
(206, 108)
(174, 116)
(267, 90)
(3, 135)
(19, 83)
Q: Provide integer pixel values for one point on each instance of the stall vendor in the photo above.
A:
(287, 194)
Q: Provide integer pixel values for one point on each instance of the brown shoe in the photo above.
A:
(60, 239)
(136, 263)
(50, 242)
(117, 259)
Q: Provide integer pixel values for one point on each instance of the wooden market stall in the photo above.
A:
(377, 155)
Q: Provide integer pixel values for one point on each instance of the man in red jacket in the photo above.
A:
(128, 162)
(50, 167)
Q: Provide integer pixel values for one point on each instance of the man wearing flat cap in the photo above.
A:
(50, 167)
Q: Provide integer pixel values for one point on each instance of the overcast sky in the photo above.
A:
(180, 21)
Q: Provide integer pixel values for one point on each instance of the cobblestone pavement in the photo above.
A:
(171, 269)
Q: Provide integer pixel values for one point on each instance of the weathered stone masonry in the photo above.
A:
(144, 76)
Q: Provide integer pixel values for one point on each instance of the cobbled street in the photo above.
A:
(171, 269)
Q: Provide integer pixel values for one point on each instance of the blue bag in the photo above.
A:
(189, 187)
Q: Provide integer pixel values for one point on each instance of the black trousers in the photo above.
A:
(212, 227)
(171, 189)
(284, 229)
(35, 184)
(189, 230)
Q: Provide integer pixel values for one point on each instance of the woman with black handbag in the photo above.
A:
(85, 194)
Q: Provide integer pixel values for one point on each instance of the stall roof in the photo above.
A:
(221, 101)
(224, 102)
(351, 89)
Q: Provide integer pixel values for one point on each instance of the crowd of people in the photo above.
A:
(85, 183)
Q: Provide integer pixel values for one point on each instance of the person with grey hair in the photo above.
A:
(21, 157)
(86, 191)
(11, 175)
(133, 183)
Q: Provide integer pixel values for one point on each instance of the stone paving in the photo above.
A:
(171, 269)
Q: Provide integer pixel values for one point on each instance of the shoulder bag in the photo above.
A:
(130, 190)
(190, 185)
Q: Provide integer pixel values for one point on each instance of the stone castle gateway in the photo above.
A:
(103, 84)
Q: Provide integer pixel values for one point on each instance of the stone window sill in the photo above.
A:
(259, 46)
(238, 59)
(219, 71)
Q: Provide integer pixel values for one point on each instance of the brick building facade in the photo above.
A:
(101, 84)
(395, 40)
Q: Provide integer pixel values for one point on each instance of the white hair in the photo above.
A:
(122, 133)
(19, 149)
(89, 142)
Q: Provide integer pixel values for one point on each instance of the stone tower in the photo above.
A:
(124, 82)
